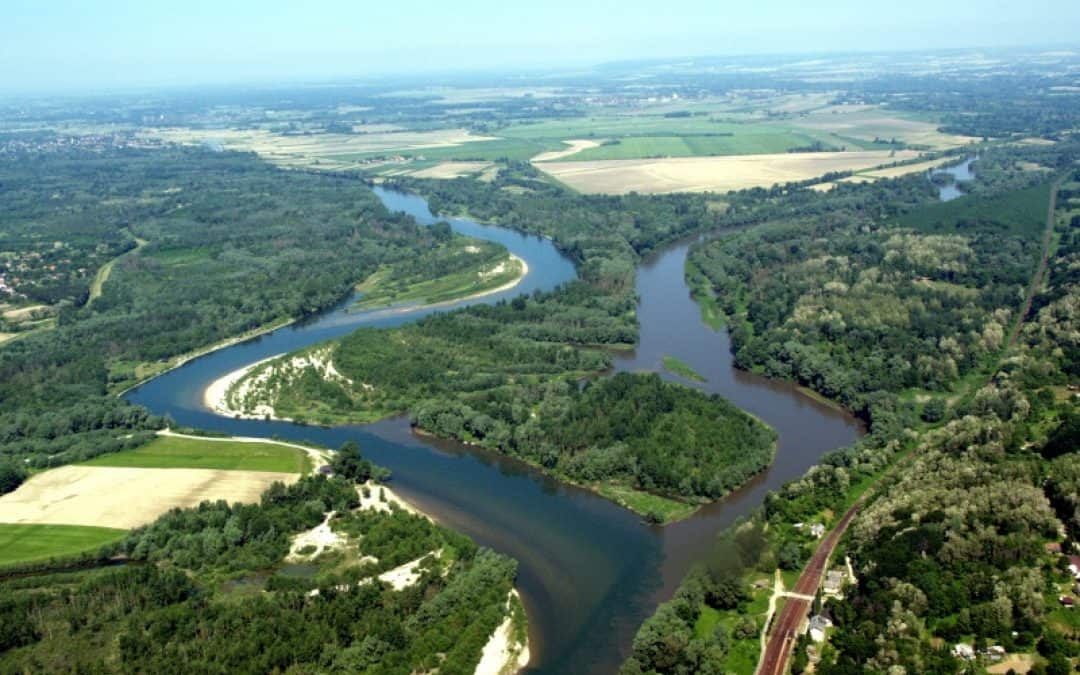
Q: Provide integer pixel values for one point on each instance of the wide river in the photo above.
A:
(590, 571)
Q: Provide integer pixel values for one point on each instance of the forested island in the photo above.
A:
(505, 377)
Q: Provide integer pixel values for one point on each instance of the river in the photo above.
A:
(961, 173)
(590, 571)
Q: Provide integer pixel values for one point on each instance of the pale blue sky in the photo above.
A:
(79, 45)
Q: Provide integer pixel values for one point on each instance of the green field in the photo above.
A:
(682, 369)
(169, 452)
(766, 141)
(25, 543)
(743, 654)
(489, 151)
(1021, 212)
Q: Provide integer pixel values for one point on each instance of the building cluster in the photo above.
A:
(43, 143)
(816, 530)
(965, 651)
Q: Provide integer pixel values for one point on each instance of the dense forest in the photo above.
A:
(505, 376)
(233, 245)
(209, 589)
(958, 541)
(857, 305)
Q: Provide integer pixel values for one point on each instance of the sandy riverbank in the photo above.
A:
(215, 397)
(503, 655)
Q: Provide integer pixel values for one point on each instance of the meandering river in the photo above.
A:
(590, 571)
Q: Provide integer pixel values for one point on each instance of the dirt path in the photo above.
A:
(103, 274)
(1040, 271)
(576, 146)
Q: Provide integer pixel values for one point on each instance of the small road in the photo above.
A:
(98, 284)
(1039, 277)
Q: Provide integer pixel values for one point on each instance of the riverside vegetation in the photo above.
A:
(234, 245)
(951, 546)
(208, 589)
(505, 376)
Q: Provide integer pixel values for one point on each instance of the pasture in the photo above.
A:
(705, 174)
(27, 543)
(171, 452)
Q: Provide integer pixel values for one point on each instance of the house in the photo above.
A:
(1067, 601)
(1053, 547)
(962, 650)
(995, 652)
(817, 530)
(834, 582)
(818, 625)
(1074, 566)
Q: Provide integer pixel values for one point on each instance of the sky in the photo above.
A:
(79, 46)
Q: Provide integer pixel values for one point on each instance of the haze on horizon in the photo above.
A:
(69, 46)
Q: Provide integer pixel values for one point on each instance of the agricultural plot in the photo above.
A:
(756, 141)
(324, 150)
(448, 170)
(865, 124)
(704, 174)
(126, 497)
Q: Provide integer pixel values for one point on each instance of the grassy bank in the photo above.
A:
(20, 543)
(682, 369)
(186, 453)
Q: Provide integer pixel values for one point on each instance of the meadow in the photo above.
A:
(20, 542)
(170, 452)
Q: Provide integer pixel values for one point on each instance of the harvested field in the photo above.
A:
(703, 174)
(325, 150)
(122, 497)
(575, 147)
(448, 170)
(868, 124)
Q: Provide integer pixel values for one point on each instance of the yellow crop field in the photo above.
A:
(705, 174)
